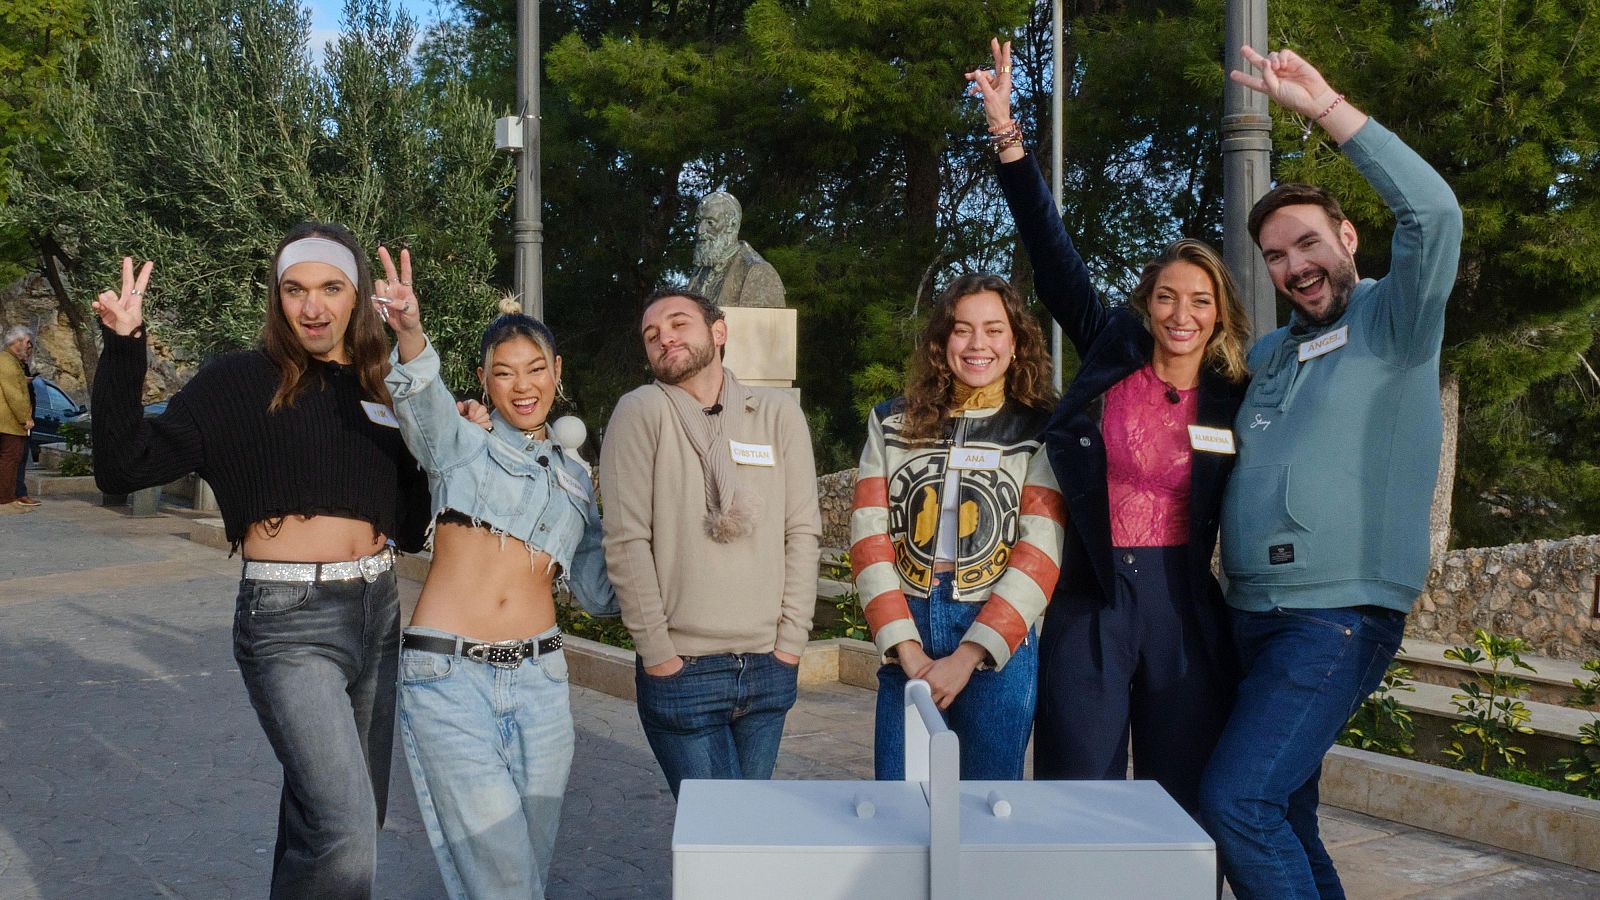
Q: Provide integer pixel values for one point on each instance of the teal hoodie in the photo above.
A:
(1338, 453)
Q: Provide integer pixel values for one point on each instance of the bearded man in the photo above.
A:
(711, 531)
(1325, 519)
(728, 270)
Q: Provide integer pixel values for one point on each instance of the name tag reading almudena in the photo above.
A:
(1328, 343)
(1211, 440)
(974, 458)
(752, 454)
(380, 414)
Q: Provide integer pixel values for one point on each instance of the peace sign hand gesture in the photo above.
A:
(995, 86)
(1290, 81)
(123, 312)
(1296, 85)
(396, 302)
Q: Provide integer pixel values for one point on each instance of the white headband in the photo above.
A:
(322, 250)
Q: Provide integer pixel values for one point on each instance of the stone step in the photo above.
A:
(1548, 719)
(1550, 683)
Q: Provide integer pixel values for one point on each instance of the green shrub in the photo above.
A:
(1491, 713)
(1383, 724)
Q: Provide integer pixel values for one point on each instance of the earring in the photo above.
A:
(561, 392)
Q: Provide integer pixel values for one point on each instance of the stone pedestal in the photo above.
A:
(762, 344)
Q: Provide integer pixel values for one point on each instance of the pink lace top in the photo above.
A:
(1147, 461)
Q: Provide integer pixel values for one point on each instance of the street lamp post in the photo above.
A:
(1058, 158)
(528, 224)
(1246, 165)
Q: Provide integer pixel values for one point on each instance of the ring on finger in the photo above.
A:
(136, 293)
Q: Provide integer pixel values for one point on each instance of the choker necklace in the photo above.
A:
(535, 434)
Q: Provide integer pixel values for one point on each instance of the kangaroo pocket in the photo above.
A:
(1261, 534)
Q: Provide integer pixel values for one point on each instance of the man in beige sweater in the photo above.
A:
(711, 529)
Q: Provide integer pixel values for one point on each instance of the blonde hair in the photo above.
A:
(1225, 351)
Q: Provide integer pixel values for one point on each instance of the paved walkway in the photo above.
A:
(131, 764)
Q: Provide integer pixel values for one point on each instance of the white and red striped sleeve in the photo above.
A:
(871, 550)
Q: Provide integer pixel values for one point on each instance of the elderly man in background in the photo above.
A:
(16, 420)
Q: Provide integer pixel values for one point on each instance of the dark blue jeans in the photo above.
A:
(1306, 671)
(717, 717)
(320, 662)
(1136, 666)
(993, 714)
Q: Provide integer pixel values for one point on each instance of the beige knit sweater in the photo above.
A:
(683, 594)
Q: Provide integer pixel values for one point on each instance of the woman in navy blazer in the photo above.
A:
(1135, 639)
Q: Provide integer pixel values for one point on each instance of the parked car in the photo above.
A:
(53, 408)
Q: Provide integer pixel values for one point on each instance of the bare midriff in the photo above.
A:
(486, 586)
(312, 539)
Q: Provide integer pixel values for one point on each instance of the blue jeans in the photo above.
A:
(718, 717)
(1306, 672)
(489, 750)
(319, 662)
(993, 714)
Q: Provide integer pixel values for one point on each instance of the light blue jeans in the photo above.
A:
(489, 751)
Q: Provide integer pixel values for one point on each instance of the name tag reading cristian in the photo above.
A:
(971, 458)
(1328, 343)
(1211, 440)
(752, 454)
(568, 483)
(380, 414)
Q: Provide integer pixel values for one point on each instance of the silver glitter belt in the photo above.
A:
(367, 568)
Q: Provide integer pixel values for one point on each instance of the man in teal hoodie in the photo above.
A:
(1325, 520)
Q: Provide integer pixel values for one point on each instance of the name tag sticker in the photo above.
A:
(569, 482)
(380, 414)
(1211, 440)
(753, 454)
(1328, 343)
(974, 458)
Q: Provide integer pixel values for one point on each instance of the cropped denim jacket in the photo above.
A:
(520, 488)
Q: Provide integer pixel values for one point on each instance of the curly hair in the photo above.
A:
(1225, 351)
(930, 388)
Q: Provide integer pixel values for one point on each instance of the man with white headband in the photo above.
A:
(299, 441)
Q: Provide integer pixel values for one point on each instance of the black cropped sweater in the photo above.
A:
(321, 456)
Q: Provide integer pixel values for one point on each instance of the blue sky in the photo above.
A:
(325, 17)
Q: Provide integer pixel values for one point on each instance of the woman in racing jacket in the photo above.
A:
(956, 528)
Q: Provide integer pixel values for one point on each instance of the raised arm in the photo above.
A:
(132, 452)
(1427, 239)
(432, 426)
(1059, 276)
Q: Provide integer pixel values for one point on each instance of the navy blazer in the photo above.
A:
(1112, 343)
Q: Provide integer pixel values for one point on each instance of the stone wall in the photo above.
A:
(30, 301)
(835, 493)
(1543, 592)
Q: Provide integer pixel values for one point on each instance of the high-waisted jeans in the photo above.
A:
(319, 661)
(489, 750)
(993, 714)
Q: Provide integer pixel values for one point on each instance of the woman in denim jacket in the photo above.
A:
(484, 711)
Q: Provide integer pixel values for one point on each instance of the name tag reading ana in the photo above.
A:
(569, 482)
(970, 458)
(1328, 343)
(380, 414)
(1211, 440)
(753, 454)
